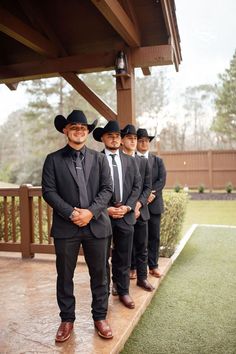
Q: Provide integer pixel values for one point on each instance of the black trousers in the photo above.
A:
(122, 240)
(153, 240)
(140, 251)
(95, 251)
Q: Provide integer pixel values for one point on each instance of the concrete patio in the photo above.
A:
(29, 312)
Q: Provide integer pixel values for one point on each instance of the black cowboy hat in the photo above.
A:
(75, 116)
(111, 127)
(128, 129)
(142, 133)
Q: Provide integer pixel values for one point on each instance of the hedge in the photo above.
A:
(172, 221)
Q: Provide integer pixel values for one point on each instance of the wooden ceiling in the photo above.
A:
(50, 37)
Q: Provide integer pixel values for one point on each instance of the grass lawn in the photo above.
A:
(194, 310)
(210, 212)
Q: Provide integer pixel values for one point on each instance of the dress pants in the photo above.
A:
(153, 240)
(95, 251)
(121, 254)
(139, 251)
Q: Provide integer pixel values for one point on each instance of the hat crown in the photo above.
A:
(77, 116)
(142, 133)
(128, 129)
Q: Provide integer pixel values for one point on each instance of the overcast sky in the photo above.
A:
(208, 40)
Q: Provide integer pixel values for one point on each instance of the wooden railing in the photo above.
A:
(25, 221)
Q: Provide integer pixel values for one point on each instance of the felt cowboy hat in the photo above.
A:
(142, 133)
(128, 129)
(111, 127)
(75, 116)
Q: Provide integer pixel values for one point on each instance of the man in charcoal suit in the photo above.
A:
(79, 199)
(140, 240)
(156, 205)
(126, 190)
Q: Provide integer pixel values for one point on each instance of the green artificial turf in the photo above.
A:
(210, 212)
(194, 310)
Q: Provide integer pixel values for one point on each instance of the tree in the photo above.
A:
(225, 120)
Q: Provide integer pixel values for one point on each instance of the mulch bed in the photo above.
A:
(212, 196)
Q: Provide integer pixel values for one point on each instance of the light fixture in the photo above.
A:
(121, 65)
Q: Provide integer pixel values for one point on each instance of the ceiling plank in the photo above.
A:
(140, 58)
(90, 96)
(21, 32)
(119, 20)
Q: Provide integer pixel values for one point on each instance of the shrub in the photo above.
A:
(229, 187)
(177, 188)
(201, 188)
(172, 221)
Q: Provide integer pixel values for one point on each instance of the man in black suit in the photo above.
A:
(156, 205)
(126, 190)
(79, 199)
(140, 241)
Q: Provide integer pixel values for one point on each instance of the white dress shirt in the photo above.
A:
(119, 167)
(145, 154)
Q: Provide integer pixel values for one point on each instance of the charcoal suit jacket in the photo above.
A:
(158, 173)
(146, 185)
(61, 191)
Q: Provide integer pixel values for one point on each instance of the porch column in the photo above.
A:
(126, 99)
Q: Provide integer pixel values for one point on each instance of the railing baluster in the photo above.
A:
(5, 219)
(13, 218)
(40, 220)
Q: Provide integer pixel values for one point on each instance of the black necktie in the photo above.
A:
(116, 194)
(83, 196)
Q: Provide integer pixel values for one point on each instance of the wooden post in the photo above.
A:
(210, 172)
(25, 221)
(126, 97)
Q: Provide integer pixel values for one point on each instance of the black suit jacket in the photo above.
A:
(61, 191)
(131, 185)
(146, 184)
(158, 173)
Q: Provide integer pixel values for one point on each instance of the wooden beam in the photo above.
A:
(140, 58)
(12, 86)
(21, 32)
(168, 17)
(119, 20)
(152, 56)
(146, 71)
(90, 96)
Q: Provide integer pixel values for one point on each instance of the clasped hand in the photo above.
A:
(81, 217)
(118, 213)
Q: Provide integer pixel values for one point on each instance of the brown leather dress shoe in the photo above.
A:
(64, 331)
(133, 274)
(114, 289)
(155, 273)
(127, 301)
(103, 329)
(144, 283)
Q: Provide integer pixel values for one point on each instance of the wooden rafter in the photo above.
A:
(17, 29)
(140, 58)
(119, 20)
(90, 96)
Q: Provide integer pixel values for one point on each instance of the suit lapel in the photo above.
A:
(124, 166)
(70, 164)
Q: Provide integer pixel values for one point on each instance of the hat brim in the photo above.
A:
(60, 123)
(97, 134)
(145, 136)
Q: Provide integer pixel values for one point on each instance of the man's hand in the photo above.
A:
(137, 209)
(118, 213)
(151, 197)
(81, 217)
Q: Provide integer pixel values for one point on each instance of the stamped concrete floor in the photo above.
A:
(29, 312)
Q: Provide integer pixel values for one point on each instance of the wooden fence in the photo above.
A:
(213, 168)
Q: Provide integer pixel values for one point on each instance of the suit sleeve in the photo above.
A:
(49, 189)
(160, 182)
(105, 189)
(147, 184)
(136, 188)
